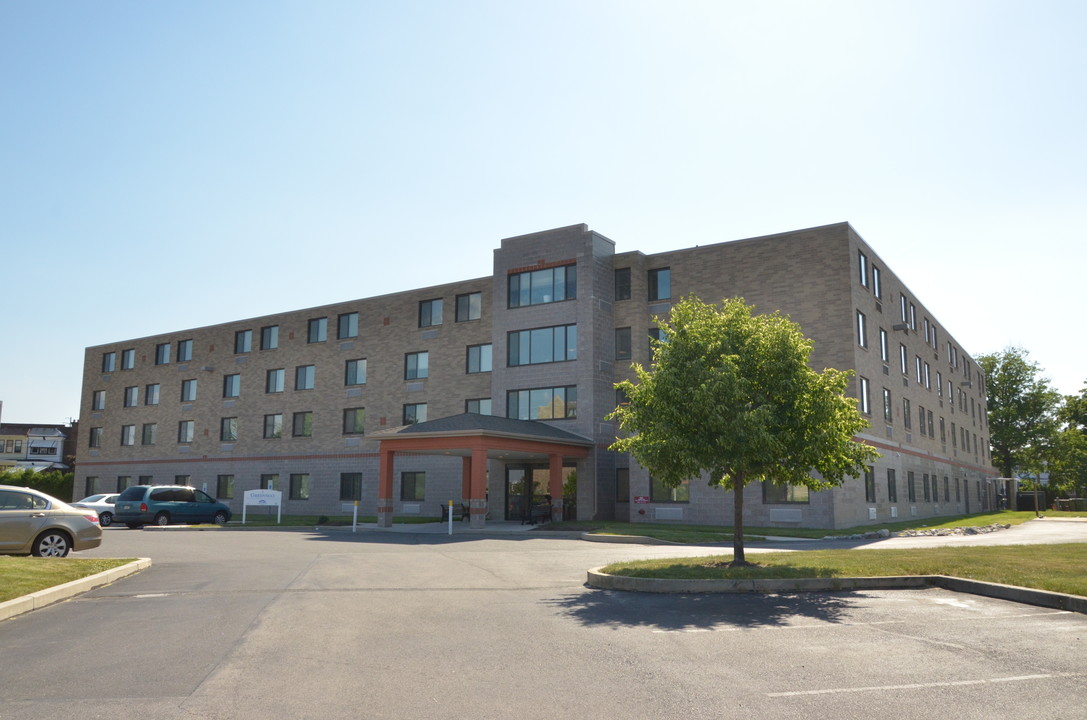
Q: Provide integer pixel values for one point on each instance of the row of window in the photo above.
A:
(11, 446)
(930, 487)
(959, 438)
(660, 493)
(659, 282)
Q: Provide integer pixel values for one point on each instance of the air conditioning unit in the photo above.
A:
(871, 513)
(894, 511)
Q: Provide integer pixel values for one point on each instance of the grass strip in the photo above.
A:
(23, 575)
(1056, 568)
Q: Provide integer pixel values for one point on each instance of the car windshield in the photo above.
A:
(92, 498)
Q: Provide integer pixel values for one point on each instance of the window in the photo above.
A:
(415, 413)
(907, 413)
(913, 317)
(95, 438)
(232, 385)
(243, 341)
(224, 487)
(300, 486)
(353, 421)
(182, 480)
(928, 377)
(430, 313)
(416, 365)
(877, 286)
(128, 434)
(887, 414)
(304, 377)
(870, 484)
(931, 427)
(542, 345)
(93, 485)
(303, 424)
(892, 486)
(479, 359)
(351, 486)
(128, 359)
(622, 284)
(479, 406)
(162, 354)
(269, 337)
(274, 380)
(862, 330)
(273, 426)
(943, 431)
(132, 396)
(228, 429)
(917, 368)
(537, 287)
(269, 481)
(188, 390)
(947, 490)
(109, 362)
(921, 419)
(150, 433)
(865, 396)
(902, 303)
(98, 400)
(622, 343)
(772, 493)
(469, 307)
(318, 330)
(184, 350)
(412, 485)
(622, 485)
(660, 284)
(911, 490)
(151, 394)
(925, 488)
(355, 372)
(347, 326)
(185, 431)
(884, 350)
(542, 403)
(903, 359)
(863, 266)
(661, 493)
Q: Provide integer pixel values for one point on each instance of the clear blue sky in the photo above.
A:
(166, 165)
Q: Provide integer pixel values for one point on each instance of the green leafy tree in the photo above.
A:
(1068, 469)
(1022, 409)
(730, 396)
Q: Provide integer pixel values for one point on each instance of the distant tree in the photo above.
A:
(730, 395)
(1068, 469)
(1022, 409)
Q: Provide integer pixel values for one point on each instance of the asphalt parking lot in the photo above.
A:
(329, 624)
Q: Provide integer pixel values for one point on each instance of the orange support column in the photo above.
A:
(477, 503)
(385, 489)
(555, 486)
(466, 479)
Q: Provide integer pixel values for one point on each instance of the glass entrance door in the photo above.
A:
(525, 484)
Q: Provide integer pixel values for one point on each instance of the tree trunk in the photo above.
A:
(738, 521)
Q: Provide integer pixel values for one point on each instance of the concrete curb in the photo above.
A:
(1028, 596)
(42, 598)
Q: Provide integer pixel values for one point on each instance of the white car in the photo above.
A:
(101, 504)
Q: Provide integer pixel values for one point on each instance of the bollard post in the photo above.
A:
(450, 516)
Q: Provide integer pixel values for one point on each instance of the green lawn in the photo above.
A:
(1057, 568)
(23, 575)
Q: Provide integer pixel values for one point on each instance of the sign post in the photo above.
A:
(265, 498)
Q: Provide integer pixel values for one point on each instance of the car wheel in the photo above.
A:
(51, 543)
(134, 526)
(220, 518)
(105, 519)
(162, 519)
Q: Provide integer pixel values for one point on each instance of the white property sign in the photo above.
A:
(265, 498)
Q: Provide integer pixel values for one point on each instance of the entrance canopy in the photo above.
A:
(477, 439)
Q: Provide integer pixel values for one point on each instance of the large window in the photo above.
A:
(661, 493)
(186, 430)
(232, 385)
(109, 362)
(269, 337)
(354, 420)
(162, 354)
(542, 345)
(273, 426)
(269, 481)
(865, 396)
(151, 394)
(243, 342)
(479, 359)
(188, 390)
(128, 434)
(415, 413)
(774, 494)
(412, 486)
(274, 380)
(622, 343)
(300, 486)
(479, 406)
(132, 396)
(622, 284)
(430, 313)
(351, 486)
(228, 429)
(469, 307)
(347, 326)
(416, 365)
(98, 400)
(542, 403)
(224, 487)
(150, 433)
(95, 438)
(870, 484)
(304, 376)
(660, 284)
(128, 359)
(303, 424)
(317, 330)
(184, 350)
(892, 486)
(355, 372)
(537, 287)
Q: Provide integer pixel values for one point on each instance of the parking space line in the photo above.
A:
(922, 686)
(734, 628)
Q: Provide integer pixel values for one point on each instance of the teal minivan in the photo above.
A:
(141, 505)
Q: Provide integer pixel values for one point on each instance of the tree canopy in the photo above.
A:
(730, 395)
(1022, 410)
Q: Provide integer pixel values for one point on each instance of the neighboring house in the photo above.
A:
(314, 402)
(34, 446)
